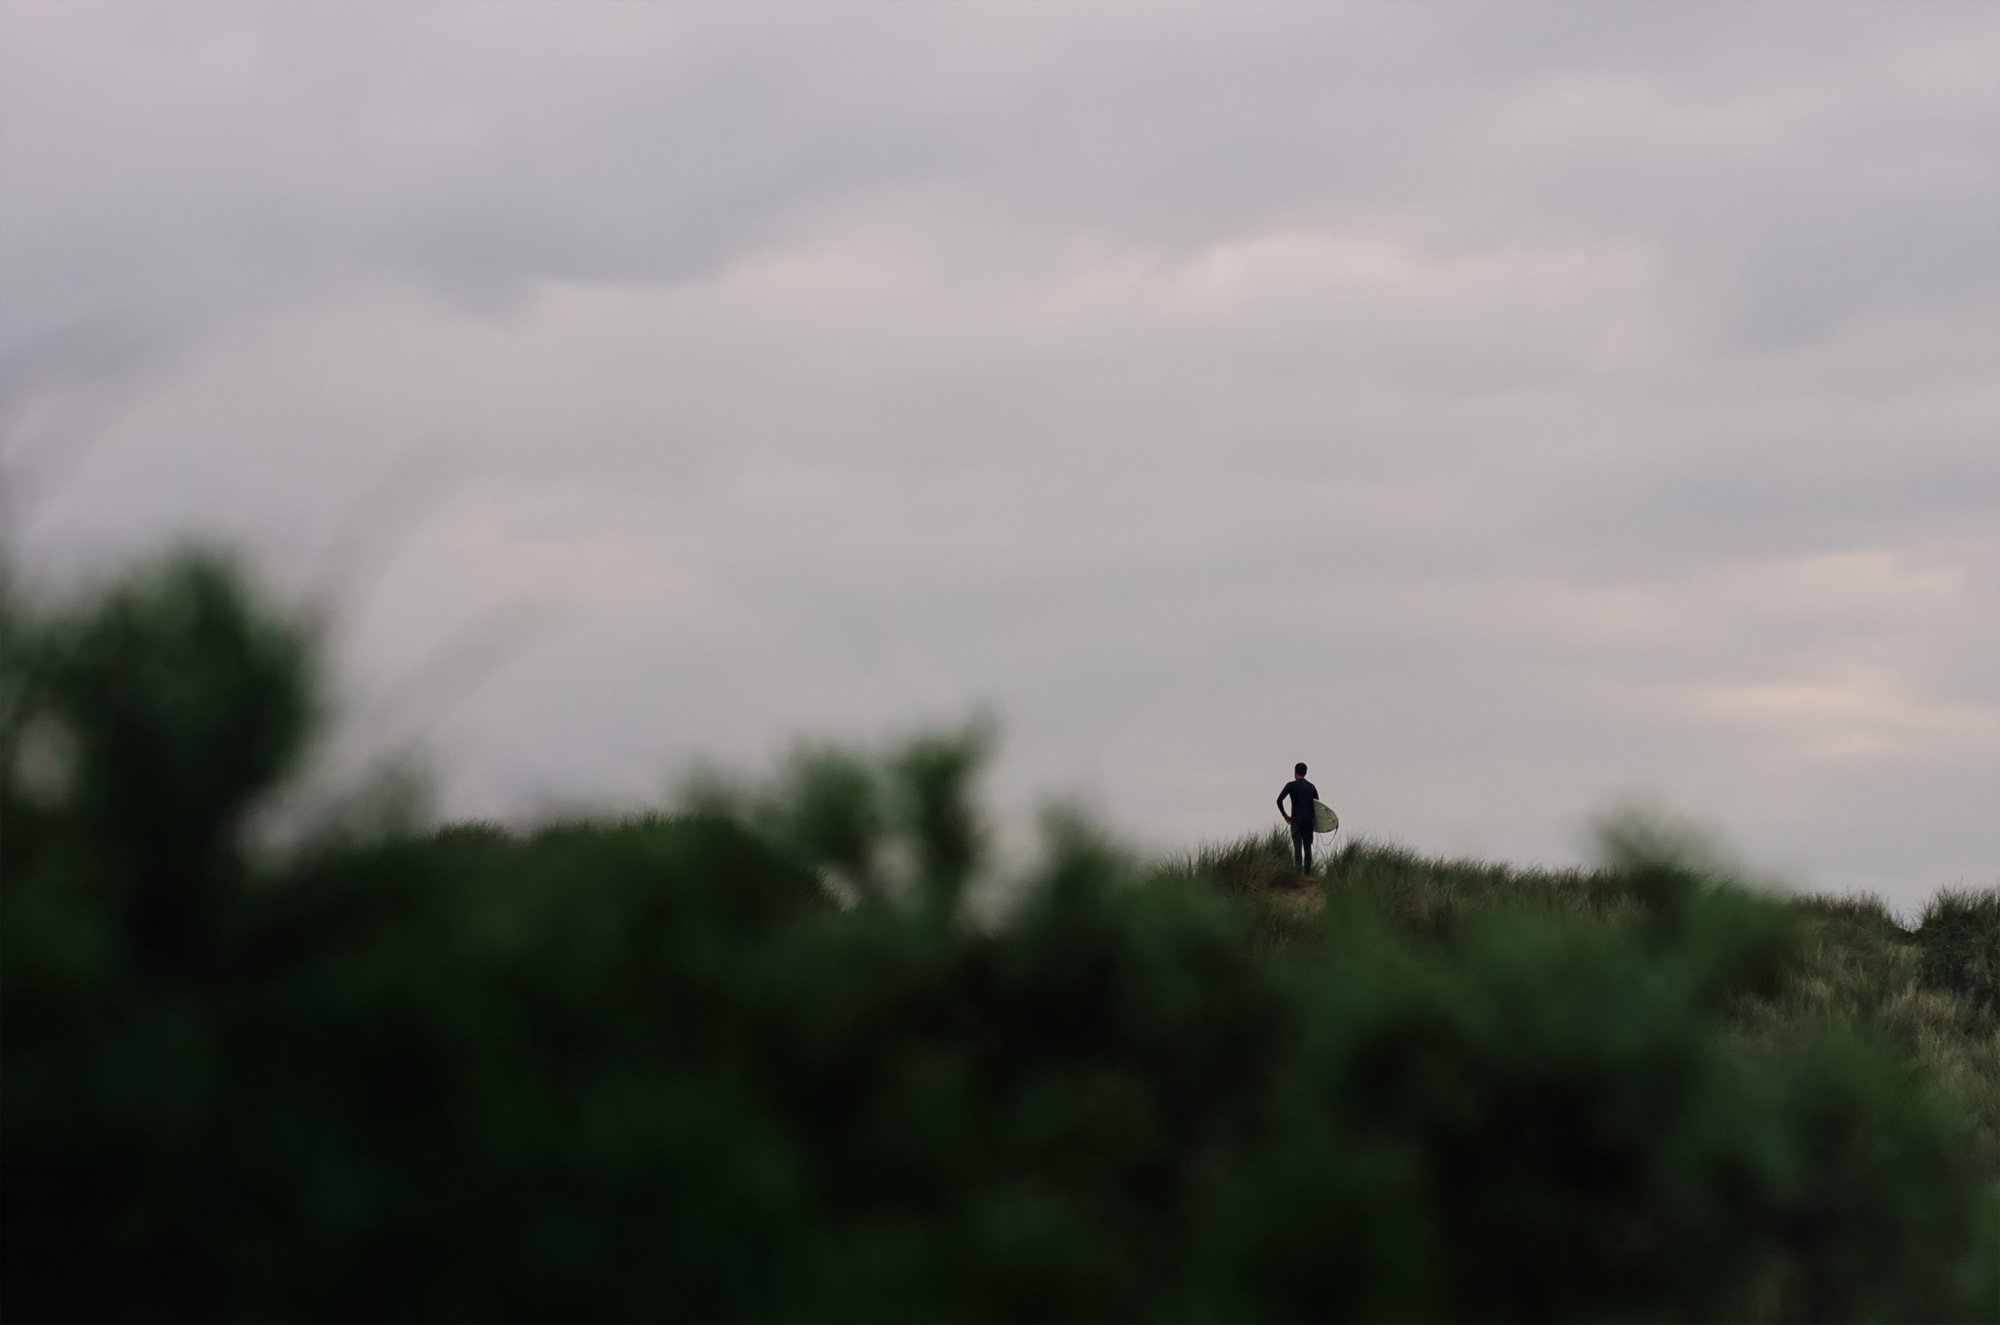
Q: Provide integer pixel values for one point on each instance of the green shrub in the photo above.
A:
(653, 1068)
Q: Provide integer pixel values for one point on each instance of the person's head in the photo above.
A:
(1298, 770)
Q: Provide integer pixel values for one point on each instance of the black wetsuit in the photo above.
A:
(1302, 794)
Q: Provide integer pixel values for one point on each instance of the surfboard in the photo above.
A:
(1324, 819)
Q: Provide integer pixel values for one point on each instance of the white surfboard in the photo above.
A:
(1324, 819)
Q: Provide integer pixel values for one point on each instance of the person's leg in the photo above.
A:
(1306, 847)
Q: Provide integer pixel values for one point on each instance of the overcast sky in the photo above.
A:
(1505, 408)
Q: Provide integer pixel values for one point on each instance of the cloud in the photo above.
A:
(1503, 407)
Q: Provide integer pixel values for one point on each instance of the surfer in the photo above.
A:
(1302, 794)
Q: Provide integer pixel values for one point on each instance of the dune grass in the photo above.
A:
(1933, 990)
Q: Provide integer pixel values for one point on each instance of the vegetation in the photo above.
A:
(764, 1058)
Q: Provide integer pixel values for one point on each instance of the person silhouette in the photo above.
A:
(1302, 794)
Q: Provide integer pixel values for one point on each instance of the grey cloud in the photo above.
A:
(206, 151)
(1622, 376)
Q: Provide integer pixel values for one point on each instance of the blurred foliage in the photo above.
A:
(756, 1060)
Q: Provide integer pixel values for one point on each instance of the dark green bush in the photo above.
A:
(158, 710)
(652, 1069)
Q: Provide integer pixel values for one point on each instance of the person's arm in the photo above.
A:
(1281, 805)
